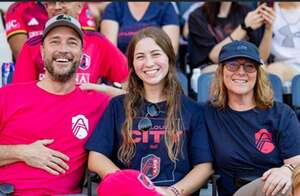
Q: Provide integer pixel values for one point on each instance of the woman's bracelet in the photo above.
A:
(175, 190)
(290, 167)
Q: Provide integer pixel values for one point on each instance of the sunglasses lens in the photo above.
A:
(232, 66)
(153, 110)
(235, 66)
(250, 68)
(144, 124)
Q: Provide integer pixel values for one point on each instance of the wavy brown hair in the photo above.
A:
(296, 178)
(135, 97)
(263, 93)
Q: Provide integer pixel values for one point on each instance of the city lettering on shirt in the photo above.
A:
(152, 136)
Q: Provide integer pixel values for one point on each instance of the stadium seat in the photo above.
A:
(277, 87)
(183, 81)
(296, 95)
(204, 81)
(296, 91)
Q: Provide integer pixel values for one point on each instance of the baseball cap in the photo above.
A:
(127, 182)
(237, 49)
(63, 20)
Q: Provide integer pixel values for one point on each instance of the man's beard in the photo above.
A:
(61, 77)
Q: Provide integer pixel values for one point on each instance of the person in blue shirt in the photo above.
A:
(154, 128)
(252, 136)
(121, 20)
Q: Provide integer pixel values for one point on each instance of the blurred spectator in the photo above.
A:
(86, 18)
(27, 19)
(286, 41)
(217, 23)
(185, 9)
(24, 20)
(97, 9)
(100, 59)
(121, 20)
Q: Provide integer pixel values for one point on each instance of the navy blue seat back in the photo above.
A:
(277, 87)
(204, 82)
(183, 81)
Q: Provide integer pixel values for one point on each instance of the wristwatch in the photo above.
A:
(117, 85)
(247, 29)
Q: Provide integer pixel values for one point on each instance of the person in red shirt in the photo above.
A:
(27, 19)
(100, 59)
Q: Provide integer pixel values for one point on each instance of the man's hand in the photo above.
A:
(39, 156)
(277, 179)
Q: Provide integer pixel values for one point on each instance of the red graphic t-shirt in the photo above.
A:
(30, 18)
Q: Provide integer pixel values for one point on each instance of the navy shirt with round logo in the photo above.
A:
(248, 143)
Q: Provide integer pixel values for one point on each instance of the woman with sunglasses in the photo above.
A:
(252, 136)
(153, 128)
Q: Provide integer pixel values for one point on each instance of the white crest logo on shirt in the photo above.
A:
(33, 22)
(80, 126)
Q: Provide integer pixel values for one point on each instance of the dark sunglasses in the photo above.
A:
(145, 123)
(234, 66)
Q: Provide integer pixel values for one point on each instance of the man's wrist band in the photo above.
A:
(174, 190)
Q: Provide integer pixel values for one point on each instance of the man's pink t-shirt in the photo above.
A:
(29, 113)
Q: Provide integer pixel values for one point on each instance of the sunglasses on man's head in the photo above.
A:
(145, 123)
(234, 66)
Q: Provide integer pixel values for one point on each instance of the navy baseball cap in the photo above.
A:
(237, 49)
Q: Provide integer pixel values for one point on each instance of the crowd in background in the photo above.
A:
(197, 40)
(203, 37)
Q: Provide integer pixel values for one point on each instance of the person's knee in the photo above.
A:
(285, 71)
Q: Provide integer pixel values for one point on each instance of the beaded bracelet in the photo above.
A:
(175, 190)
